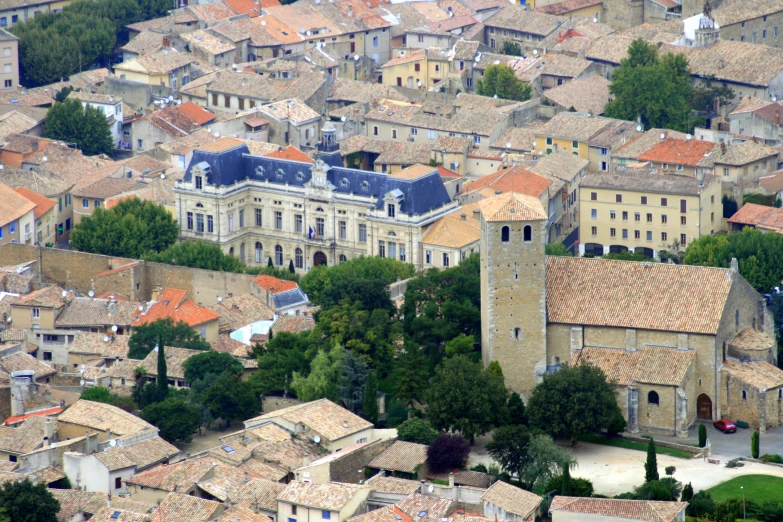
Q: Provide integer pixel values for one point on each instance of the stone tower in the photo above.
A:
(513, 288)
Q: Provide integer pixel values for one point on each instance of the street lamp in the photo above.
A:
(742, 488)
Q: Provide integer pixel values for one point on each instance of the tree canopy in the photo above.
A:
(760, 255)
(466, 398)
(324, 377)
(655, 88)
(340, 277)
(499, 80)
(417, 430)
(197, 254)
(174, 417)
(146, 336)
(132, 228)
(201, 364)
(448, 451)
(278, 360)
(87, 127)
(25, 502)
(230, 398)
(572, 401)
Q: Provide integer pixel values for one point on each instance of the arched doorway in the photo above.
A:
(648, 252)
(704, 407)
(319, 258)
(617, 249)
(594, 249)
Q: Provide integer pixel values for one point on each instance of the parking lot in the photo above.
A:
(732, 444)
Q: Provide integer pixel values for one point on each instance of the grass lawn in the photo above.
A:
(629, 444)
(757, 487)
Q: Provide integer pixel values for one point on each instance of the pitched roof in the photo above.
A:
(588, 94)
(291, 153)
(102, 417)
(22, 361)
(13, 205)
(114, 460)
(573, 126)
(512, 206)
(175, 358)
(517, 18)
(174, 477)
(645, 510)
(274, 284)
(24, 437)
(651, 365)
(414, 172)
(157, 63)
(404, 153)
(145, 42)
(94, 344)
(42, 203)
(519, 138)
(224, 480)
(173, 304)
(773, 182)
(401, 456)
(293, 323)
(759, 374)
(751, 340)
(242, 511)
(397, 486)
(454, 230)
(678, 151)
(294, 110)
(742, 153)
(655, 296)
(332, 496)
(647, 141)
(177, 507)
(43, 183)
(512, 499)
(512, 179)
(567, 6)
(751, 214)
(434, 508)
(322, 417)
(642, 180)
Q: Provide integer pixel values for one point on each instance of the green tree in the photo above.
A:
(466, 398)
(174, 417)
(163, 375)
(511, 48)
(557, 249)
(579, 487)
(411, 374)
(670, 470)
(516, 410)
(687, 493)
(571, 402)
(461, 345)
(24, 502)
(666, 489)
(565, 483)
(322, 381)
(198, 366)
(701, 505)
(278, 359)
(705, 96)
(655, 88)
(146, 336)
(651, 465)
(367, 294)
(499, 80)
(702, 435)
(370, 404)
(760, 255)
(230, 398)
(132, 228)
(754, 445)
(197, 254)
(352, 381)
(617, 423)
(87, 127)
(417, 430)
(546, 460)
(509, 448)
(291, 267)
(97, 394)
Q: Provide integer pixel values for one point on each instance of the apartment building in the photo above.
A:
(646, 210)
(9, 76)
(110, 106)
(515, 24)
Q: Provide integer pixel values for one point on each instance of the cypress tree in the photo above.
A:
(754, 445)
(291, 267)
(370, 403)
(163, 378)
(651, 466)
(687, 493)
(270, 264)
(565, 481)
(702, 435)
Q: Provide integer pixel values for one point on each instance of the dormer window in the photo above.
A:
(344, 182)
(199, 182)
(391, 210)
(365, 185)
(300, 176)
(279, 173)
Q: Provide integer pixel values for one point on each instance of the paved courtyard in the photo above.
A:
(733, 444)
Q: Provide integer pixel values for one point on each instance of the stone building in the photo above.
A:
(681, 342)
(308, 214)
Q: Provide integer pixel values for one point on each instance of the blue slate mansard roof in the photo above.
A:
(227, 167)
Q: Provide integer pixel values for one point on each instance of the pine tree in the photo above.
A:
(370, 403)
(291, 267)
(702, 435)
(687, 493)
(754, 445)
(651, 466)
(565, 483)
(270, 264)
(163, 378)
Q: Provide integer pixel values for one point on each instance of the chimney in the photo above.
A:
(437, 111)
(166, 41)
(108, 434)
(422, 488)
(451, 479)
(463, 216)
(49, 430)
(108, 502)
(734, 265)
(477, 215)
(350, 10)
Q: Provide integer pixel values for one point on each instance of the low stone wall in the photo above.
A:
(273, 403)
(693, 450)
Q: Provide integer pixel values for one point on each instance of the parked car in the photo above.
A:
(725, 425)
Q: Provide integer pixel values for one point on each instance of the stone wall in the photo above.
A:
(76, 271)
(623, 14)
(350, 468)
(272, 403)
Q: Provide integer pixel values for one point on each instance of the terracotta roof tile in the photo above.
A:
(94, 344)
(242, 511)
(435, 508)
(587, 94)
(517, 18)
(291, 153)
(174, 477)
(652, 365)
(454, 230)
(173, 304)
(13, 205)
(332, 496)
(512, 499)
(397, 486)
(512, 206)
(42, 203)
(400, 456)
(678, 152)
(293, 323)
(22, 361)
(175, 358)
(513, 179)
(751, 214)
(742, 153)
(260, 492)
(751, 340)
(644, 510)
(102, 417)
(25, 437)
(567, 6)
(274, 284)
(322, 417)
(759, 374)
(177, 507)
(642, 180)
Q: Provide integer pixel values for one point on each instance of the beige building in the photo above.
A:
(671, 335)
(44, 214)
(642, 210)
(292, 122)
(10, 73)
(39, 309)
(167, 67)
(260, 207)
(17, 217)
(515, 24)
(333, 501)
(423, 68)
(742, 164)
(105, 420)
(451, 239)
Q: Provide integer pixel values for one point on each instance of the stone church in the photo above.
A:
(679, 342)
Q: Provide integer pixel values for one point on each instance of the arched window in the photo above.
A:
(736, 318)
(528, 233)
(652, 398)
(298, 258)
(343, 259)
(517, 333)
(505, 234)
(231, 251)
(278, 255)
(744, 395)
(259, 252)
(557, 359)
(319, 209)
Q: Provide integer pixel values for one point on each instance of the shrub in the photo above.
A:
(616, 423)
(448, 451)
(702, 435)
(754, 445)
(666, 489)
(481, 468)
(417, 430)
(670, 470)
(773, 459)
(579, 487)
(687, 493)
(701, 505)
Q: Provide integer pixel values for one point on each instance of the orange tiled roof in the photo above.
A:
(751, 214)
(18, 418)
(678, 152)
(514, 179)
(291, 153)
(174, 304)
(115, 270)
(196, 113)
(274, 284)
(42, 203)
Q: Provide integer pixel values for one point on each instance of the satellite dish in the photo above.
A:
(52, 445)
(114, 328)
(141, 309)
(81, 383)
(64, 294)
(535, 52)
(534, 144)
(663, 136)
(595, 19)
(342, 118)
(162, 176)
(638, 128)
(431, 488)
(317, 439)
(171, 98)
(105, 338)
(418, 83)
(508, 144)
(112, 443)
(45, 158)
(91, 293)
(688, 136)
(83, 367)
(220, 299)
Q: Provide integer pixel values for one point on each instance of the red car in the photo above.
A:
(725, 425)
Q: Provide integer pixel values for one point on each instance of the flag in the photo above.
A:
(310, 233)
